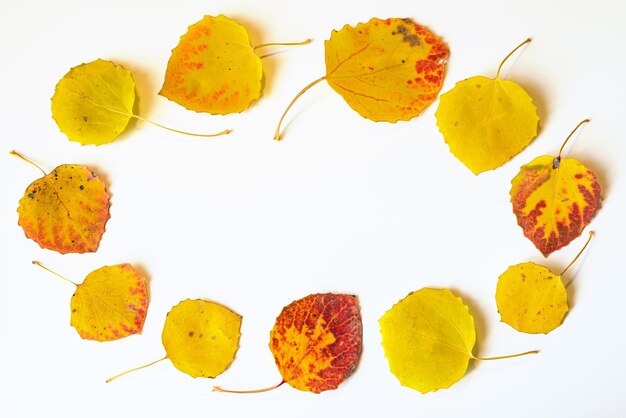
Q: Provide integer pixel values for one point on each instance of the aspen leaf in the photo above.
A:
(486, 121)
(111, 303)
(93, 103)
(386, 70)
(316, 342)
(66, 210)
(214, 68)
(554, 199)
(200, 338)
(428, 338)
(531, 298)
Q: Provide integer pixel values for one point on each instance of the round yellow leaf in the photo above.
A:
(213, 68)
(201, 337)
(110, 304)
(531, 298)
(93, 102)
(486, 122)
(428, 339)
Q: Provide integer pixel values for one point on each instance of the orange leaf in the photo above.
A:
(66, 210)
(317, 341)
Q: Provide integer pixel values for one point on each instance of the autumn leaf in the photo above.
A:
(93, 103)
(214, 68)
(554, 199)
(316, 342)
(428, 338)
(487, 121)
(386, 70)
(111, 303)
(200, 338)
(531, 298)
(66, 210)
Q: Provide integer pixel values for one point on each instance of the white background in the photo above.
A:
(342, 204)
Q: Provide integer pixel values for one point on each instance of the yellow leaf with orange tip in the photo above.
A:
(66, 210)
(214, 68)
(201, 337)
(486, 121)
(531, 298)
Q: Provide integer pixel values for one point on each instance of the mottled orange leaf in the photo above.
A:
(66, 210)
(111, 303)
(554, 199)
(386, 70)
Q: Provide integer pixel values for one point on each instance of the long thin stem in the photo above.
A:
(224, 132)
(135, 369)
(21, 157)
(579, 254)
(37, 263)
(511, 53)
(509, 356)
(277, 133)
(308, 41)
(570, 135)
(219, 389)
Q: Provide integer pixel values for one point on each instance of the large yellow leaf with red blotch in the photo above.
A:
(317, 341)
(66, 210)
(387, 70)
(213, 68)
(553, 200)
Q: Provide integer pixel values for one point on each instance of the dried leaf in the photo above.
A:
(428, 339)
(486, 122)
(93, 102)
(554, 199)
(66, 210)
(214, 68)
(386, 70)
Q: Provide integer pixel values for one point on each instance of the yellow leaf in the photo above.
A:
(386, 70)
(428, 339)
(110, 304)
(486, 122)
(201, 337)
(93, 102)
(531, 298)
(554, 199)
(214, 68)
(66, 210)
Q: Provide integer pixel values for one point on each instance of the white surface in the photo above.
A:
(343, 204)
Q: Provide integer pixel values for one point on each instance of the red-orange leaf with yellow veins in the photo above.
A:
(554, 199)
(317, 341)
(66, 210)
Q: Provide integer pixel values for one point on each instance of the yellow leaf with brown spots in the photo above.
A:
(66, 210)
(214, 68)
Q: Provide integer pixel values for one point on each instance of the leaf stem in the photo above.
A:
(37, 263)
(505, 357)
(579, 254)
(308, 41)
(277, 133)
(135, 369)
(219, 389)
(21, 157)
(224, 132)
(570, 135)
(511, 53)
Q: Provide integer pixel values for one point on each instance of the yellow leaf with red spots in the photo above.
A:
(201, 337)
(66, 210)
(428, 339)
(386, 70)
(554, 199)
(486, 121)
(317, 341)
(93, 102)
(214, 68)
